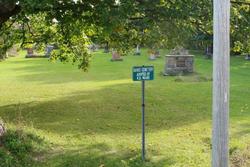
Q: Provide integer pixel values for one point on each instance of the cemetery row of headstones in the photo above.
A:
(48, 49)
(153, 54)
(178, 61)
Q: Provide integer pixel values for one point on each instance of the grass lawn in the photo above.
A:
(93, 119)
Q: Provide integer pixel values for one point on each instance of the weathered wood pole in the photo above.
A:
(221, 74)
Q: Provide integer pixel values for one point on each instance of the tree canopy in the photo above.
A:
(73, 25)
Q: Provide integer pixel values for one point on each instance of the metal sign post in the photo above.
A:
(143, 120)
(143, 73)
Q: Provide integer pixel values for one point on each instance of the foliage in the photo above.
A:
(7, 38)
(60, 22)
(122, 23)
(122, 40)
(16, 149)
(240, 29)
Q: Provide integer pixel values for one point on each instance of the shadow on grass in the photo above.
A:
(110, 110)
(42, 71)
(101, 155)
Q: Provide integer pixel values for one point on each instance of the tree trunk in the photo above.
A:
(106, 48)
(221, 58)
(8, 9)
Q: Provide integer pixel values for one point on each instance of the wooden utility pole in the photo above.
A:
(221, 67)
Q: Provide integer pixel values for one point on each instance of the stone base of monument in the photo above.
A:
(120, 59)
(35, 56)
(178, 64)
(137, 54)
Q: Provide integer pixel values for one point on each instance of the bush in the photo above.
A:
(17, 148)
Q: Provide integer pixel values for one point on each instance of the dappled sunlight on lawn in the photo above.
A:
(95, 117)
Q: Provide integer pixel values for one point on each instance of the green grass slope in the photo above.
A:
(93, 119)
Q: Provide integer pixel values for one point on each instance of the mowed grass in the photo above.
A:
(93, 119)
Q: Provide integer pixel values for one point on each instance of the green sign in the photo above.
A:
(143, 73)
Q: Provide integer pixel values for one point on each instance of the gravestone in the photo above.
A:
(179, 62)
(152, 56)
(48, 50)
(12, 51)
(137, 51)
(247, 57)
(209, 52)
(30, 52)
(157, 54)
(93, 47)
(116, 56)
(151, 53)
(106, 48)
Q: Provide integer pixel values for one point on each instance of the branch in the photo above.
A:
(240, 2)
(9, 26)
(6, 11)
(23, 35)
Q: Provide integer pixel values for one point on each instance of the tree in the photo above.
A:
(68, 24)
(62, 22)
(240, 30)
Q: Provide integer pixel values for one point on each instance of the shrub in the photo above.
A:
(17, 148)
